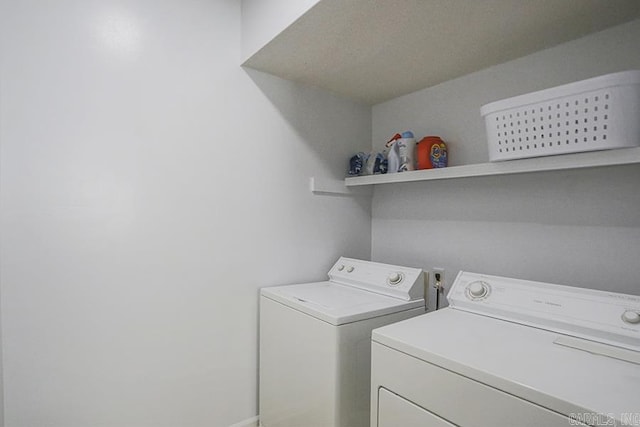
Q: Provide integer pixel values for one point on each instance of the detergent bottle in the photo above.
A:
(432, 153)
(393, 156)
(406, 151)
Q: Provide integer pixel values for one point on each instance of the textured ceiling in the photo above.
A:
(375, 50)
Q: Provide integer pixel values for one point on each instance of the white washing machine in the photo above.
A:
(510, 352)
(315, 342)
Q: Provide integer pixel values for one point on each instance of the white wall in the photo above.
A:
(1, 363)
(149, 187)
(578, 228)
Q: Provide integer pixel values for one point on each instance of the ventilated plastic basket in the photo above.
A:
(595, 114)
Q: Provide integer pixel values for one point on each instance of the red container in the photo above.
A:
(431, 152)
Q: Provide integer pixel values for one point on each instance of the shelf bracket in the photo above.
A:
(321, 186)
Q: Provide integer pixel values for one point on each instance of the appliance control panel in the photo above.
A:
(607, 317)
(395, 281)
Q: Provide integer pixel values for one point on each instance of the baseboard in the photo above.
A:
(250, 422)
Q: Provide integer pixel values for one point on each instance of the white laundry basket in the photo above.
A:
(595, 114)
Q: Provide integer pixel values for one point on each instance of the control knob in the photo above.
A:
(478, 289)
(341, 267)
(395, 278)
(631, 316)
(349, 269)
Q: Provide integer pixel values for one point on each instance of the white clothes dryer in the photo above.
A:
(315, 342)
(510, 352)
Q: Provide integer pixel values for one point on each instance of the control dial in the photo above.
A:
(341, 267)
(478, 290)
(350, 269)
(631, 316)
(394, 279)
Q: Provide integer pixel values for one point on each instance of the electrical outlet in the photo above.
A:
(438, 276)
(438, 285)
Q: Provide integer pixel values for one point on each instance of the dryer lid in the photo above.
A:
(565, 348)
(523, 361)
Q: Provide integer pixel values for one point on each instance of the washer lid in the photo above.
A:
(335, 303)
